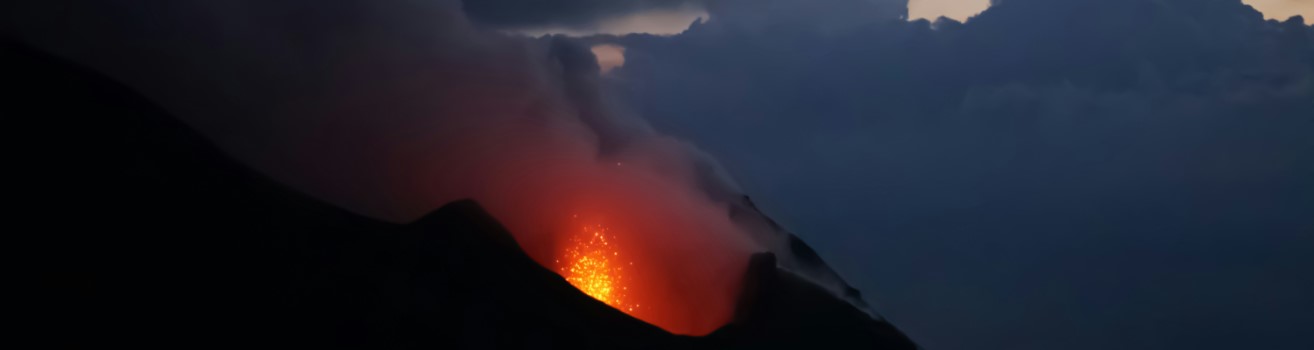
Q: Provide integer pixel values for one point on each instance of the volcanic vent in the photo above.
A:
(595, 266)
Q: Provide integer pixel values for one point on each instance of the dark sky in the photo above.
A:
(1056, 174)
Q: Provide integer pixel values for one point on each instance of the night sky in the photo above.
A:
(1038, 174)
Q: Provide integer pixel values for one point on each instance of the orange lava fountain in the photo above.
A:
(594, 266)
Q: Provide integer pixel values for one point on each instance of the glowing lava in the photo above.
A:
(594, 266)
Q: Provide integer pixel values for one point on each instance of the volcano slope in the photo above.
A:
(149, 236)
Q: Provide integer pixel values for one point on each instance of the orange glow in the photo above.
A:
(594, 265)
(642, 245)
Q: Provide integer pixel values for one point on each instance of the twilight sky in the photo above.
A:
(962, 9)
(956, 9)
(1283, 9)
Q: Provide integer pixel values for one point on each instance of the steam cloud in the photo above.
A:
(392, 109)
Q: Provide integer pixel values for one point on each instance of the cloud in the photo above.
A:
(825, 15)
(586, 17)
(583, 18)
(656, 22)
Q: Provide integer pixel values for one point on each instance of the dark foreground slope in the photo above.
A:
(148, 236)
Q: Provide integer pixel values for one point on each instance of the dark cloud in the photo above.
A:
(588, 14)
(827, 15)
(1073, 174)
(563, 13)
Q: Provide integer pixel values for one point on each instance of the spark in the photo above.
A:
(594, 267)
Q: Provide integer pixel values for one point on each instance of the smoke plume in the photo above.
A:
(392, 109)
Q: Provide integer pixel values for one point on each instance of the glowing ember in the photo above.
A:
(594, 265)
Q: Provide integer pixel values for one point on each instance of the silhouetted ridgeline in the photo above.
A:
(150, 237)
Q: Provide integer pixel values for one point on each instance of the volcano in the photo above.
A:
(151, 237)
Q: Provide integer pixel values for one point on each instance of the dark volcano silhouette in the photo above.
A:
(148, 236)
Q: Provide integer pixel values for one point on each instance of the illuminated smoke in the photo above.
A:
(393, 109)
